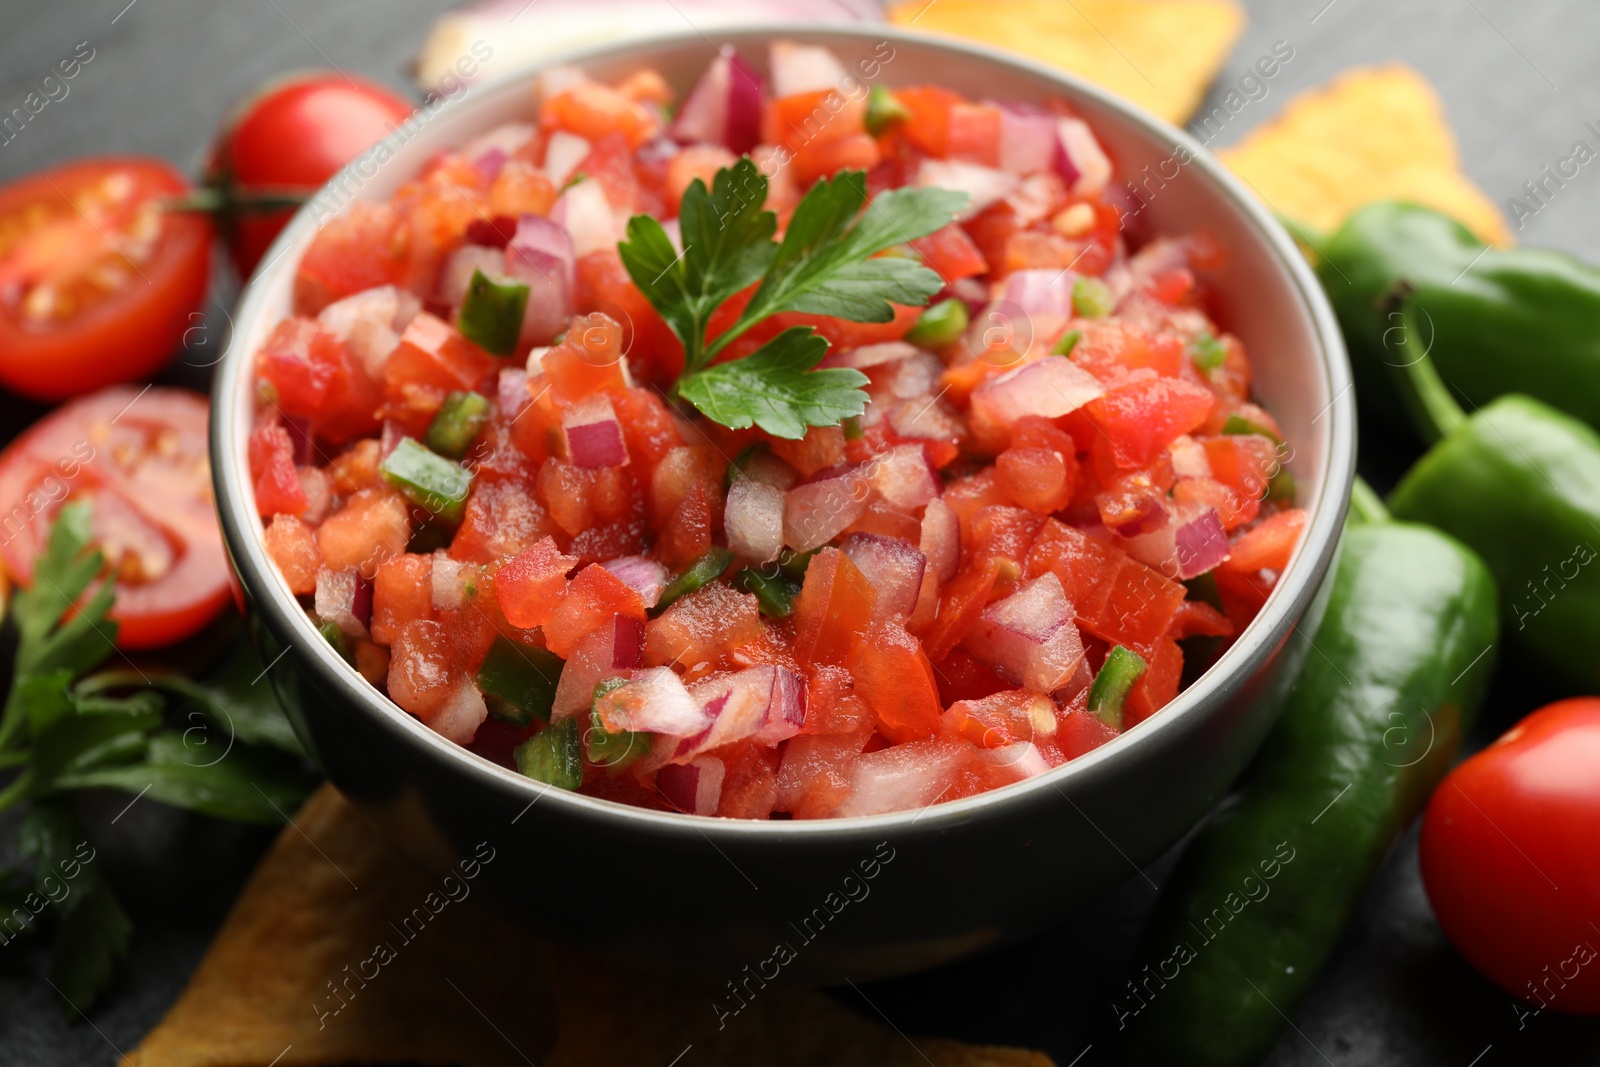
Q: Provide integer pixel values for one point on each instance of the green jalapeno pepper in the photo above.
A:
(1259, 899)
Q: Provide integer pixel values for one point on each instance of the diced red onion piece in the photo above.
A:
(654, 701)
(926, 419)
(489, 163)
(904, 477)
(1080, 159)
(815, 512)
(753, 519)
(693, 788)
(941, 539)
(608, 652)
(1189, 458)
(511, 392)
(300, 439)
(541, 255)
(463, 712)
(768, 469)
(450, 581)
(799, 68)
(390, 437)
(370, 323)
(893, 566)
(1050, 387)
(766, 702)
(562, 154)
(1081, 679)
(1027, 142)
(984, 186)
(970, 291)
(1200, 544)
(1029, 638)
(643, 575)
(459, 267)
(1041, 292)
(745, 88)
(870, 355)
(914, 377)
(704, 114)
(344, 598)
(902, 776)
(594, 434)
(585, 213)
(1016, 762)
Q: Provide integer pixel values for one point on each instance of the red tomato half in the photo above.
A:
(140, 461)
(292, 136)
(97, 282)
(1511, 858)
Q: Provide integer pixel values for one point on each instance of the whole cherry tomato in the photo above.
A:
(138, 457)
(291, 136)
(1511, 858)
(98, 280)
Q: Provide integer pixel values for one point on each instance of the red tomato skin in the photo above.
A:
(70, 448)
(134, 333)
(295, 134)
(1511, 857)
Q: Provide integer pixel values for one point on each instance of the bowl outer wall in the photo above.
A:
(959, 876)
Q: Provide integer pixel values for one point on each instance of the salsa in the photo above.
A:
(482, 467)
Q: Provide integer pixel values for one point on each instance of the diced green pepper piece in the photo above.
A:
(1281, 486)
(852, 428)
(884, 111)
(427, 479)
(1122, 668)
(335, 637)
(1208, 353)
(792, 565)
(703, 571)
(613, 750)
(491, 313)
(1091, 298)
(939, 325)
(1068, 342)
(553, 756)
(456, 426)
(520, 681)
(1238, 425)
(773, 592)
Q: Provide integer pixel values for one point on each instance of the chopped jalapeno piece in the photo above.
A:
(884, 111)
(1091, 298)
(335, 637)
(520, 681)
(1281, 486)
(553, 756)
(792, 565)
(1207, 352)
(613, 750)
(773, 592)
(491, 313)
(708, 568)
(939, 325)
(1238, 424)
(1122, 668)
(427, 479)
(454, 428)
(852, 428)
(1068, 342)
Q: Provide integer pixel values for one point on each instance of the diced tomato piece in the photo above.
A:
(1157, 685)
(1081, 732)
(967, 495)
(356, 468)
(654, 353)
(1269, 545)
(370, 527)
(749, 781)
(402, 591)
(686, 536)
(928, 126)
(315, 377)
(432, 361)
(822, 447)
(1196, 618)
(610, 165)
(960, 380)
(1040, 479)
(502, 518)
(1000, 532)
(529, 587)
(1111, 350)
(960, 604)
(293, 547)
(579, 498)
(822, 117)
(1232, 507)
(843, 334)
(610, 541)
(1143, 417)
(420, 680)
(592, 598)
(1113, 596)
(589, 359)
(1245, 462)
(818, 159)
(835, 604)
(893, 676)
(521, 189)
(647, 426)
(359, 249)
(973, 134)
(699, 161)
(680, 472)
(961, 677)
(950, 254)
(831, 704)
(1005, 718)
(1135, 502)
(593, 110)
(277, 484)
(814, 777)
(699, 629)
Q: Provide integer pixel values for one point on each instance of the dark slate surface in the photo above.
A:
(1520, 84)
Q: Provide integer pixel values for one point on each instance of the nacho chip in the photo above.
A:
(1374, 133)
(1160, 54)
(296, 978)
(299, 976)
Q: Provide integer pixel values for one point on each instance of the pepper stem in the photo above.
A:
(1433, 410)
(1366, 506)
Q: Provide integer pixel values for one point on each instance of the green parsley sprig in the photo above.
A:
(61, 732)
(828, 263)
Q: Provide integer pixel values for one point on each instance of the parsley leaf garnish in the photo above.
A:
(828, 263)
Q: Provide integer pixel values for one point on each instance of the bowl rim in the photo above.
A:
(1291, 596)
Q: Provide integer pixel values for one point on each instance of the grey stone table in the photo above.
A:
(1520, 83)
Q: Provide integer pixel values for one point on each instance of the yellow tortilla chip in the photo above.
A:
(296, 978)
(1161, 54)
(1374, 133)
